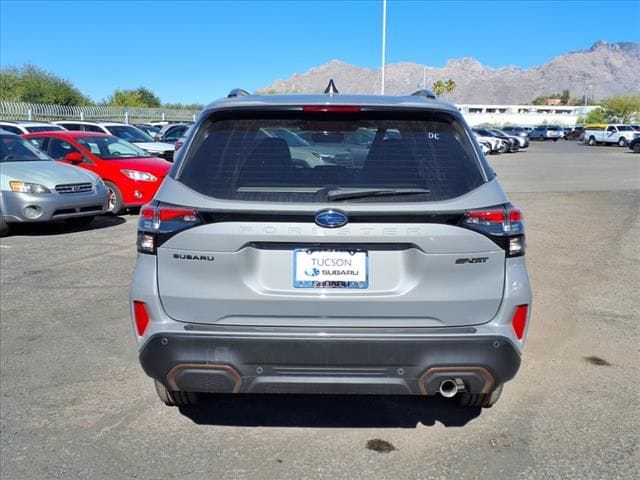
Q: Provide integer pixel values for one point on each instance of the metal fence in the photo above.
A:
(39, 111)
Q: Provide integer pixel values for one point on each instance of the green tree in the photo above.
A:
(565, 97)
(182, 106)
(621, 108)
(140, 97)
(438, 88)
(542, 100)
(35, 85)
(148, 97)
(449, 86)
(597, 115)
(441, 87)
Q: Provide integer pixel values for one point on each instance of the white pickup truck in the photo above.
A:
(603, 133)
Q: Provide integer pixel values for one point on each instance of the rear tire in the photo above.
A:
(115, 199)
(4, 228)
(484, 400)
(175, 399)
(592, 141)
(622, 142)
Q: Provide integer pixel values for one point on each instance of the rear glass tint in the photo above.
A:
(303, 157)
(44, 128)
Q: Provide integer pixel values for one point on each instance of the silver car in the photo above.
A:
(401, 275)
(34, 188)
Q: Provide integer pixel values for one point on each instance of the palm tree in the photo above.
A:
(438, 88)
(441, 87)
(449, 86)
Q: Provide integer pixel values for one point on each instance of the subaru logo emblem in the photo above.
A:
(331, 219)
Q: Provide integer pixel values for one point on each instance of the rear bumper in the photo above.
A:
(321, 362)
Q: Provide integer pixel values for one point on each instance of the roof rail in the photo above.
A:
(238, 92)
(424, 93)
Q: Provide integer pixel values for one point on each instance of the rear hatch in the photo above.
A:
(248, 237)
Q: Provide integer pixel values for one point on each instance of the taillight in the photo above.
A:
(519, 321)
(504, 225)
(176, 214)
(158, 222)
(331, 108)
(141, 317)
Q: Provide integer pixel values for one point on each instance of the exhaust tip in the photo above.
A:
(448, 388)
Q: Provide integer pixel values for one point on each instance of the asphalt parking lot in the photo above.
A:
(74, 402)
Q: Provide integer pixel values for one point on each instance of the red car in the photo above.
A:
(132, 175)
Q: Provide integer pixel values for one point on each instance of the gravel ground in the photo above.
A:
(74, 402)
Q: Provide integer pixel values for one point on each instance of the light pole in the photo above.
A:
(384, 41)
(424, 78)
(586, 94)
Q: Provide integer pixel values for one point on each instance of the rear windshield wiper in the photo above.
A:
(344, 194)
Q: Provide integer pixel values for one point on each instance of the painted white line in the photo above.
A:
(5, 246)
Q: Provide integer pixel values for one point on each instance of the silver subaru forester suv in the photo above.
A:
(379, 255)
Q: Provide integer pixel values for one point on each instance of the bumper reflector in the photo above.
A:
(141, 317)
(519, 320)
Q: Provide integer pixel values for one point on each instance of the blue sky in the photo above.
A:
(196, 51)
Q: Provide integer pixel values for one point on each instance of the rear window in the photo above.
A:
(17, 149)
(307, 157)
(44, 128)
(72, 126)
(129, 133)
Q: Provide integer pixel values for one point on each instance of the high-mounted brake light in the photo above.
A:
(504, 225)
(159, 222)
(141, 317)
(519, 321)
(331, 108)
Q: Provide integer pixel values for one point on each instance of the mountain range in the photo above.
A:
(603, 70)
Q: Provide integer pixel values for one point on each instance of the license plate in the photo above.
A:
(330, 268)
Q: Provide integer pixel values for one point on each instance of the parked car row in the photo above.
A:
(501, 140)
(126, 132)
(144, 135)
(59, 174)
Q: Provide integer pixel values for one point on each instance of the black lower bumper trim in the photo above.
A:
(366, 365)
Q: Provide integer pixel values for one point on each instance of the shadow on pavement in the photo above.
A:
(62, 228)
(327, 411)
